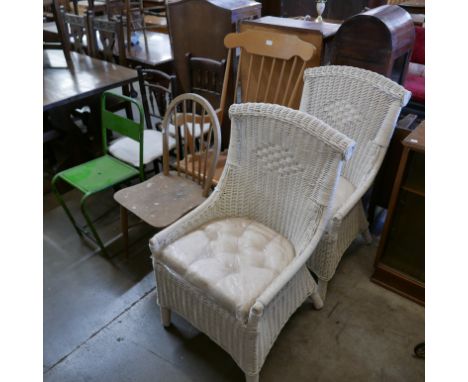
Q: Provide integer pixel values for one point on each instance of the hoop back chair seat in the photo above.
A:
(106, 171)
(235, 266)
(364, 106)
(186, 179)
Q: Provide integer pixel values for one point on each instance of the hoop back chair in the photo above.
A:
(235, 266)
(364, 106)
(164, 198)
(157, 89)
(104, 172)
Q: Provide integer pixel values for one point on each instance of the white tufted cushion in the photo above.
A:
(127, 150)
(233, 260)
(171, 129)
(343, 191)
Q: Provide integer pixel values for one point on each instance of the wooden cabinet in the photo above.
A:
(198, 27)
(335, 9)
(399, 265)
(380, 39)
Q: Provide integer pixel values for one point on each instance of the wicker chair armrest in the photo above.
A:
(360, 190)
(288, 273)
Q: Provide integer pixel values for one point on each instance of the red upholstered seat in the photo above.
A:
(415, 82)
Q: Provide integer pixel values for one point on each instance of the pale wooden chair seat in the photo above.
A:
(162, 199)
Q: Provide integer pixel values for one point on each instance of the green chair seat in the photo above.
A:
(98, 174)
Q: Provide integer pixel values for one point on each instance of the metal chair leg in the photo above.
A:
(91, 225)
(124, 227)
(64, 205)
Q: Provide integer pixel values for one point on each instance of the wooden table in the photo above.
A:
(155, 53)
(90, 77)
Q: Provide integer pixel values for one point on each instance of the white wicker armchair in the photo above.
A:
(364, 106)
(281, 171)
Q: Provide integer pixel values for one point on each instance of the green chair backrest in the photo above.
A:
(122, 125)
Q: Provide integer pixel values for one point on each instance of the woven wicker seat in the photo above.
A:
(280, 174)
(364, 106)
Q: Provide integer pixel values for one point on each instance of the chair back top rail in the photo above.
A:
(270, 66)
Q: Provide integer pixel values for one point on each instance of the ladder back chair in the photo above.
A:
(62, 42)
(76, 29)
(164, 198)
(108, 44)
(157, 89)
(104, 172)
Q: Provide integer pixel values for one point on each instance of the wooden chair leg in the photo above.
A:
(124, 227)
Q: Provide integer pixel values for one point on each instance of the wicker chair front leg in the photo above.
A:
(165, 316)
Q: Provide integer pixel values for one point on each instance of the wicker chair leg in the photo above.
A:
(316, 300)
(165, 317)
(322, 289)
(367, 236)
(252, 378)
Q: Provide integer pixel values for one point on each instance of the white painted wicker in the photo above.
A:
(364, 106)
(281, 171)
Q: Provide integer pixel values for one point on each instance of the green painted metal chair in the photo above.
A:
(106, 171)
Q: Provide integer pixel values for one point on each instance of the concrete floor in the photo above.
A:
(101, 321)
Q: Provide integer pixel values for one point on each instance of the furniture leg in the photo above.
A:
(252, 378)
(91, 225)
(316, 300)
(124, 227)
(367, 236)
(128, 107)
(165, 317)
(322, 289)
(64, 205)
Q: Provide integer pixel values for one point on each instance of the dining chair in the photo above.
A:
(364, 106)
(107, 43)
(103, 172)
(206, 77)
(235, 267)
(61, 42)
(76, 30)
(270, 68)
(165, 197)
(133, 16)
(157, 89)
